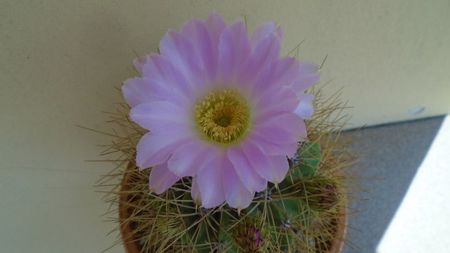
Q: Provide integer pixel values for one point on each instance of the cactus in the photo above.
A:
(301, 214)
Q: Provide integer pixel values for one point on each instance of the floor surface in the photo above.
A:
(388, 158)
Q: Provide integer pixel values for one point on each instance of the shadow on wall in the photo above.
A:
(388, 159)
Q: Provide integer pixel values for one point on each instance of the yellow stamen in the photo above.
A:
(223, 116)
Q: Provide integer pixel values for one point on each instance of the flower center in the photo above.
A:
(222, 116)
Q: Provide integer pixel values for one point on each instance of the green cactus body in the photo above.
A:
(294, 215)
(300, 214)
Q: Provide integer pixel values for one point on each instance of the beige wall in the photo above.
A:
(61, 59)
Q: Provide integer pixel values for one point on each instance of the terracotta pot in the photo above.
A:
(132, 246)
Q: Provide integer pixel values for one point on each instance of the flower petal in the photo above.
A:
(161, 179)
(274, 102)
(188, 158)
(271, 168)
(197, 31)
(291, 123)
(236, 194)
(308, 75)
(292, 129)
(140, 62)
(245, 171)
(263, 53)
(136, 91)
(162, 70)
(266, 29)
(181, 53)
(195, 192)
(154, 149)
(216, 25)
(280, 165)
(274, 148)
(209, 180)
(234, 48)
(283, 128)
(305, 108)
(143, 90)
(161, 117)
(288, 72)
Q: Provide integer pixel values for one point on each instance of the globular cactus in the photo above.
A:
(303, 213)
(298, 214)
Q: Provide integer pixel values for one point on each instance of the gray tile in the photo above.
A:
(388, 158)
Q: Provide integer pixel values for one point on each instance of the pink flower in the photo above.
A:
(222, 107)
